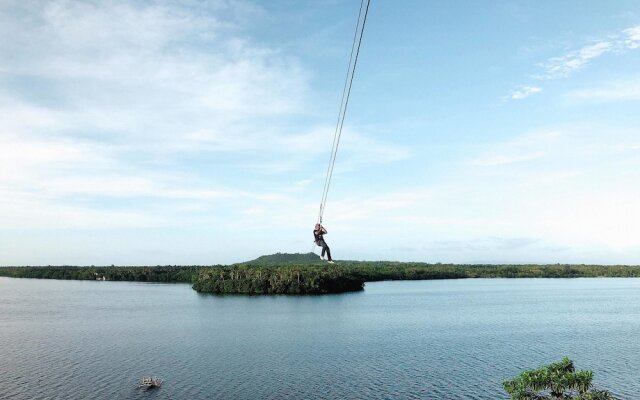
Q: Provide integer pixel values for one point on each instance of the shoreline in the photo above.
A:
(312, 278)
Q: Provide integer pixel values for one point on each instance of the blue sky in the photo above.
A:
(185, 132)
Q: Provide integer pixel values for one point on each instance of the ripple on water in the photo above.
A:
(396, 340)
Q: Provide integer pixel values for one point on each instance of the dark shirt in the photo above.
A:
(317, 234)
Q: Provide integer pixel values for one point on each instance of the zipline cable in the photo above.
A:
(346, 93)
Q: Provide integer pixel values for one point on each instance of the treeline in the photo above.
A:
(113, 273)
(317, 278)
(246, 279)
(378, 271)
(312, 277)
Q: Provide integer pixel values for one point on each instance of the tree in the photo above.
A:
(556, 381)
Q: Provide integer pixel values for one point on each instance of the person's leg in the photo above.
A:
(322, 244)
(326, 247)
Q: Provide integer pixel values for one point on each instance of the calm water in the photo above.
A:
(452, 339)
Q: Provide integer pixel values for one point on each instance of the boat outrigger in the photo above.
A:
(149, 382)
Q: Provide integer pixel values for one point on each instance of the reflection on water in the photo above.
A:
(449, 339)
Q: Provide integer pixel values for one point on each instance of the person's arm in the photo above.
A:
(324, 230)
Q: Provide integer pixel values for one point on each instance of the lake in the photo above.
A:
(446, 339)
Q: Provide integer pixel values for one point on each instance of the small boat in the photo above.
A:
(149, 382)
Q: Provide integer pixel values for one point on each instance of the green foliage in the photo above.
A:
(555, 381)
(343, 276)
(141, 274)
(284, 259)
(371, 271)
(248, 279)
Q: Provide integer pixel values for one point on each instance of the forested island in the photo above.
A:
(305, 274)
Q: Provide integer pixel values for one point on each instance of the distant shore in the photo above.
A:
(288, 274)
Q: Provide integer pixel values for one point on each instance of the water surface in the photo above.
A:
(447, 339)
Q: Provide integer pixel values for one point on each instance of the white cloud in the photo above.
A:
(152, 115)
(633, 37)
(120, 109)
(529, 147)
(562, 67)
(61, 167)
(147, 71)
(618, 91)
(293, 151)
(506, 158)
(566, 65)
(524, 91)
(358, 150)
(28, 152)
(581, 199)
(24, 211)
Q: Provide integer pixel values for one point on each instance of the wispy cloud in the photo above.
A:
(529, 147)
(524, 91)
(189, 129)
(520, 199)
(479, 245)
(565, 65)
(617, 91)
(115, 108)
(275, 152)
(148, 66)
(632, 40)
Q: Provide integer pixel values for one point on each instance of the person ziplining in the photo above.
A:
(346, 92)
(318, 234)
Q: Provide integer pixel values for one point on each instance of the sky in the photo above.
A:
(199, 132)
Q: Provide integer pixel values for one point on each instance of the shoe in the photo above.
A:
(330, 262)
(322, 258)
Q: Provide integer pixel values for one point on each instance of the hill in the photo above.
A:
(285, 259)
